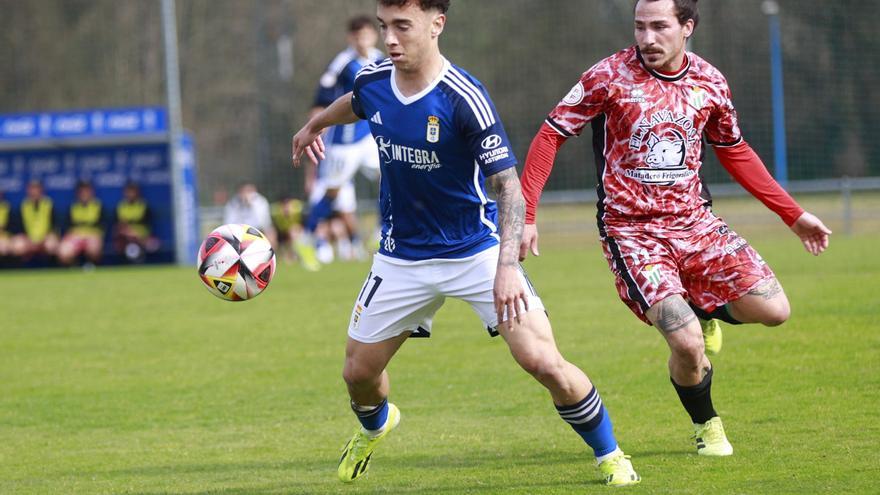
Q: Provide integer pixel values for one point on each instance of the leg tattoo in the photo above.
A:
(768, 290)
(673, 314)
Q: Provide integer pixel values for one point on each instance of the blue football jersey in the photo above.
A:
(339, 80)
(436, 149)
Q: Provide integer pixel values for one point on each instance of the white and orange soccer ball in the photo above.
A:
(236, 262)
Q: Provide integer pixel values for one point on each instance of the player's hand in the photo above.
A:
(509, 293)
(529, 241)
(813, 233)
(309, 141)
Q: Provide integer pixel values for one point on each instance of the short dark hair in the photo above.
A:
(684, 10)
(359, 22)
(441, 5)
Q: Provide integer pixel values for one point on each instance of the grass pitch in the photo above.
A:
(138, 381)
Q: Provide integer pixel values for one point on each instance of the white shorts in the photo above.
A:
(345, 202)
(342, 161)
(403, 296)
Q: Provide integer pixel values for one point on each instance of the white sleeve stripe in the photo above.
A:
(476, 93)
(367, 69)
(341, 61)
(555, 127)
(452, 84)
(483, 201)
(377, 71)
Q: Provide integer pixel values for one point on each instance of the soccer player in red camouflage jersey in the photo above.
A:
(677, 266)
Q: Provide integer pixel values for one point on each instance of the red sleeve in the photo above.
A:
(539, 163)
(746, 167)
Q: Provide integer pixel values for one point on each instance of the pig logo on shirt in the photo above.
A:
(667, 151)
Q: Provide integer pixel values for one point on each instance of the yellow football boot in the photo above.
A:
(711, 439)
(356, 455)
(618, 471)
(711, 336)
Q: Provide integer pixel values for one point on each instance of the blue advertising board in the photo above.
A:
(109, 148)
(126, 123)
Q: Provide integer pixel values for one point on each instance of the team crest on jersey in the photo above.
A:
(433, 129)
(654, 275)
(356, 317)
(697, 97)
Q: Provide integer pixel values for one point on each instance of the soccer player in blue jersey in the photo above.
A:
(440, 140)
(350, 146)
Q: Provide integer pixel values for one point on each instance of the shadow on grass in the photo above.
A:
(318, 477)
(474, 459)
(182, 469)
(316, 489)
(670, 453)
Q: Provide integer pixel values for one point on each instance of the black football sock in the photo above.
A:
(720, 313)
(697, 399)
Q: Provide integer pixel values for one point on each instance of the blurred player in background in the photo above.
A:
(287, 218)
(441, 140)
(5, 235)
(133, 233)
(677, 265)
(85, 228)
(349, 147)
(36, 225)
(249, 207)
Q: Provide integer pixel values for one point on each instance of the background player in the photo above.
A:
(349, 146)
(440, 139)
(37, 224)
(133, 230)
(85, 228)
(650, 105)
(287, 218)
(250, 207)
(5, 236)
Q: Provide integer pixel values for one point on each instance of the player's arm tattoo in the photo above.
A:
(511, 214)
(673, 314)
(768, 290)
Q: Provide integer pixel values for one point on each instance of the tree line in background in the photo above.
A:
(249, 69)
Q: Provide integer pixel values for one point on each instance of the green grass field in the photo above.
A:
(138, 381)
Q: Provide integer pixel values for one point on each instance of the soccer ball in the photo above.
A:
(236, 262)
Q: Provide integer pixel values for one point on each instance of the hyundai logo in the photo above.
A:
(491, 142)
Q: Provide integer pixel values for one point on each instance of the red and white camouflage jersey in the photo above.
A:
(647, 136)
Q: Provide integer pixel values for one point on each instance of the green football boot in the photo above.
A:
(356, 455)
(711, 439)
(711, 336)
(618, 471)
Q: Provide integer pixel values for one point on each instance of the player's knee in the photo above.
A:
(94, 250)
(777, 314)
(18, 246)
(689, 351)
(544, 367)
(356, 375)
